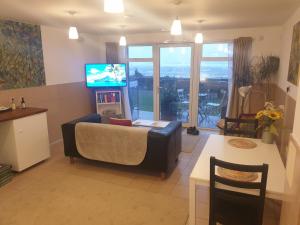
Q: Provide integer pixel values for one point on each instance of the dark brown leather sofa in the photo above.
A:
(163, 146)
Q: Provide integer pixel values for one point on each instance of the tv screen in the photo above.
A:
(105, 75)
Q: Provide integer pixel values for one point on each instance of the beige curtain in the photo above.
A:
(112, 52)
(240, 72)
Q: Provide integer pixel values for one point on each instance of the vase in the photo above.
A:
(267, 136)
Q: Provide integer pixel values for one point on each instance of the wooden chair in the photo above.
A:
(231, 207)
(241, 127)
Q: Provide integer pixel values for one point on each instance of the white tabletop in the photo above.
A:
(217, 145)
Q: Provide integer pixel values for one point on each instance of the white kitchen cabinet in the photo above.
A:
(24, 141)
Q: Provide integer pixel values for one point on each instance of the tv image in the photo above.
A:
(105, 75)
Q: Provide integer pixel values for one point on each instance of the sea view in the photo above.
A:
(211, 70)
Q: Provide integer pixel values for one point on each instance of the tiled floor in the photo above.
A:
(175, 186)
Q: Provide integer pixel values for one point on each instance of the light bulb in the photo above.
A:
(199, 38)
(73, 33)
(122, 41)
(176, 27)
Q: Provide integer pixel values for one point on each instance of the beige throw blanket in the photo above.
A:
(112, 143)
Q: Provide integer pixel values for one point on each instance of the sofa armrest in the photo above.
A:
(164, 146)
(168, 130)
(68, 133)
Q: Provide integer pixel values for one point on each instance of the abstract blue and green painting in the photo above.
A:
(21, 55)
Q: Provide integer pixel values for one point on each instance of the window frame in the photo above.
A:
(197, 58)
(150, 60)
(205, 58)
(139, 45)
(210, 59)
(216, 57)
(139, 59)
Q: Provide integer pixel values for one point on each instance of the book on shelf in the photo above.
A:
(118, 97)
(108, 97)
(113, 97)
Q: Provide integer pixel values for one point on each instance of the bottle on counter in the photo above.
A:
(13, 104)
(23, 104)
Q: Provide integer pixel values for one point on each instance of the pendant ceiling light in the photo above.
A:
(73, 33)
(199, 38)
(122, 41)
(176, 27)
(113, 6)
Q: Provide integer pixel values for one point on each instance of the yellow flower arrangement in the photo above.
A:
(268, 116)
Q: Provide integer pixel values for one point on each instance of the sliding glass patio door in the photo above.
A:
(175, 72)
(141, 82)
(173, 82)
(214, 83)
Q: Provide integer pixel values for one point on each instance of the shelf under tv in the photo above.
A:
(109, 100)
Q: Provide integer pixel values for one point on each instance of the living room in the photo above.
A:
(181, 61)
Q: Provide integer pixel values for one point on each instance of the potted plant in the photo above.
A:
(267, 118)
(263, 69)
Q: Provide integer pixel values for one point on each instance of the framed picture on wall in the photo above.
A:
(294, 69)
(21, 55)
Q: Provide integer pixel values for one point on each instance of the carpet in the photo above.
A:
(58, 193)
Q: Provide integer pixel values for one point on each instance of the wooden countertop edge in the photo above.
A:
(20, 113)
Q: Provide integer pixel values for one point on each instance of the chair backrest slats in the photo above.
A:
(241, 127)
(233, 196)
(238, 167)
(238, 184)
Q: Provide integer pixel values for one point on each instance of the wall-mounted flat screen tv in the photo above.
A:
(105, 75)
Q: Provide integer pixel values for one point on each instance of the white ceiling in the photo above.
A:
(149, 15)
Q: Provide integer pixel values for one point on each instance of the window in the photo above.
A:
(215, 83)
(164, 75)
(215, 70)
(140, 52)
(217, 50)
(175, 79)
(140, 63)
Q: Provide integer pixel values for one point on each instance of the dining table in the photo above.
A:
(257, 153)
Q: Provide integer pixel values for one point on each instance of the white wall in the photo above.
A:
(296, 131)
(286, 42)
(290, 210)
(64, 59)
(266, 39)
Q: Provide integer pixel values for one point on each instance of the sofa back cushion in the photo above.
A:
(121, 122)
